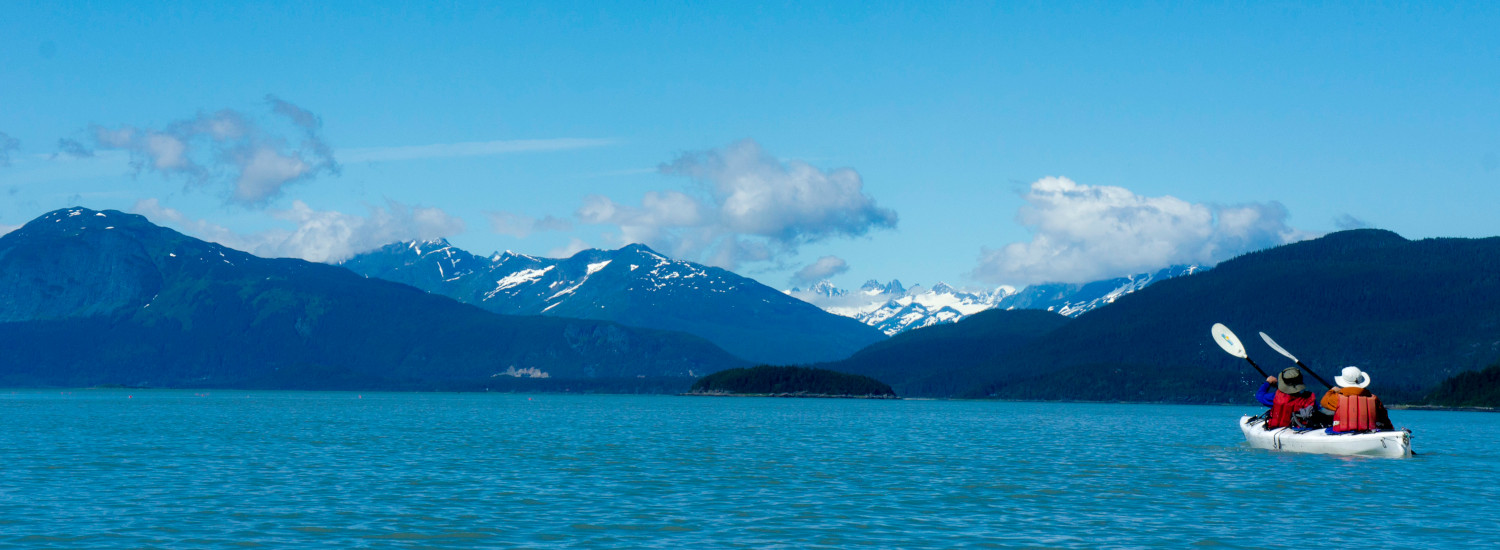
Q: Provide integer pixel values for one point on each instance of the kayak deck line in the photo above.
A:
(1383, 443)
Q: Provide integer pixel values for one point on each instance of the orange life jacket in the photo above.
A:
(1284, 406)
(1356, 413)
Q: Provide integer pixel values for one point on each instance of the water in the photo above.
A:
(170, 469)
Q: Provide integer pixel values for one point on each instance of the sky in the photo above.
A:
(977, 144)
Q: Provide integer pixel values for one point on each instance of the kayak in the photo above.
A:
(1383, 443)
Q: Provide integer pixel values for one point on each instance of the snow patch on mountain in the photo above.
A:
(746, 318)
(517, 279)
(894, 309)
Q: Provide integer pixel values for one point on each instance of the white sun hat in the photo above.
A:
(1352, 377)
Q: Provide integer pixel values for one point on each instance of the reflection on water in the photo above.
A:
(133, 468)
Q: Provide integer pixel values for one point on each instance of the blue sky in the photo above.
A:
(975, 144)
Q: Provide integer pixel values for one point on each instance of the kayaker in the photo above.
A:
(1288, 399)
(1352, 382)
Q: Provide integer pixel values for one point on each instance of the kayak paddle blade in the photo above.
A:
(1228, 341)
(1272, 343)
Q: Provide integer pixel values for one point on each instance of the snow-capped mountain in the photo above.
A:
(1072, 300)
(104, 297)
(634, 286)
(894, 309)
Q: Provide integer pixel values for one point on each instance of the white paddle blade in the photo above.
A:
(1228, 340)
(1272, 343)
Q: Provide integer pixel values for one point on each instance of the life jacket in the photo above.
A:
(1356, 413)
(1330, 400)
(1284, 406)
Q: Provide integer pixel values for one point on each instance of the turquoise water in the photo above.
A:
(170, 469)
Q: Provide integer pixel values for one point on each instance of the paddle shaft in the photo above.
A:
(1257, 367)
(1315, 375)
(1294, 359)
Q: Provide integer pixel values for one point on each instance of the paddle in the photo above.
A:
(1232, 345)
(1294, 359)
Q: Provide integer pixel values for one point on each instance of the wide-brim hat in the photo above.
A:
(1352, 377)
(1290, 381)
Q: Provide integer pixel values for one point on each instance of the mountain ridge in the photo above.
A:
(1412, 313)
(156, 307)
(895, 309)
(633, 285)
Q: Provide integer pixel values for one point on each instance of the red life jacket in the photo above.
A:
(1356, 413)
(1285, 405)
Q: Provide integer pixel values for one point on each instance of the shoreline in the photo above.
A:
(13, 390)
(1442, 408)
(797, 395)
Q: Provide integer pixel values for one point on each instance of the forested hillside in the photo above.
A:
(1412, 313)
(916, 360)
(773, 380)
(91, 298)
(1470, 389)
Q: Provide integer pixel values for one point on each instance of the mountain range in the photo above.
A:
(1411, 313)
(90, 297)
(634, 286)
(894, 309)
(102, 297)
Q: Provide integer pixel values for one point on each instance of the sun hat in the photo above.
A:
(1290, 381)
(1352, 377)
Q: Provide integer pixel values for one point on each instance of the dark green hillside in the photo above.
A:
(1411, 313)
(770, 380)
(915, 360)
(90, 298)
(1470, 389)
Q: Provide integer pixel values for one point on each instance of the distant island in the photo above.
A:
(773, 381)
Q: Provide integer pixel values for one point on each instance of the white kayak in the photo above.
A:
(1384, 443)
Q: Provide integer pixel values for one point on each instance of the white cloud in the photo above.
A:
(153, 210)
(468, 149)
(318, 235)
(1085, 233)
(574, 246)
(521, 226)
(1346, 222)
(73, 148)
(823, 268)
(228, 147)
(329, 236)
(748, 207)
(8, 228)
(7, 146)
(263, 173)
(301, 117)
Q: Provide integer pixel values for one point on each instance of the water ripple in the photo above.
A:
(118, 469)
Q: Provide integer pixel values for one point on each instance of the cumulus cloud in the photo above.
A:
(823, 268)
(748, 206)
(302, 118)
(574, 246)
(73, 148)
(521, 226)
(8, 145)
(318, 235)
(229, 147)
(1346, 222)
(1084, 233)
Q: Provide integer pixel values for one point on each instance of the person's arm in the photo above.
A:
(1266, 394)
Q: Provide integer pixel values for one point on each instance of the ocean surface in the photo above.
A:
(235, 469)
